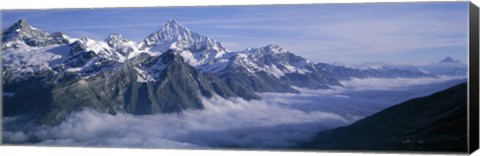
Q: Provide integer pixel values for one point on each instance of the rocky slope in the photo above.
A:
(433, 123)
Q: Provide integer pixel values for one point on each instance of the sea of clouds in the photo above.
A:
(276, 121)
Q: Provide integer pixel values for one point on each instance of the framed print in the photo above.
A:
(374, 77)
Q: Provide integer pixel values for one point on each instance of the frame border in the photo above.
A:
(473, 105)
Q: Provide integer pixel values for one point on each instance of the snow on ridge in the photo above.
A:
(143, 76)
(28, 60)
(199, 51)
(273, 60)
(172, 36)
(196, 49)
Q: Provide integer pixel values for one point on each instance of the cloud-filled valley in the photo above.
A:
(233, 122)
(279, 120)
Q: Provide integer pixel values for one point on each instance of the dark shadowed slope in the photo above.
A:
(434, 123)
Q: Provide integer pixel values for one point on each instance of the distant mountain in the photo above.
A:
(372, 70)
(271, 69)
(446, 67)
(448, 59)
(433, 123)
(52, 74)
(372, 65)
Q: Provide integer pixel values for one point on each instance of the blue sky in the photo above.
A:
(397, 33)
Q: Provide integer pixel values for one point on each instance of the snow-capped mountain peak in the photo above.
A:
(447, 66)
(21, 28)
(121, 45)
(273, 49)
(372, 65)
(174, 25)
(23, 34)
(448, 59)
(195, 48)
(21, 24)
(114, 37)
(273, 60)
(175, 36)
(99, 48)
(268, 50)
(172, 31)
(86, 39)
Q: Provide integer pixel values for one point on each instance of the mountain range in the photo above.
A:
(49, 75)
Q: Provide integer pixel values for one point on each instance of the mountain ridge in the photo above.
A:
(56, 63)
(432, 123)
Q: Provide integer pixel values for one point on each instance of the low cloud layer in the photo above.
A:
(277, 121)
(223, 123)
(394, 84)
(361, 97)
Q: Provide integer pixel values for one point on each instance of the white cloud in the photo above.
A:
(276, 121)
(224, 123)
(15, 137)
(389, 84)
(361, 97)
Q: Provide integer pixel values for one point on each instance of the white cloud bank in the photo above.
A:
(223, 123)
(277, 121)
